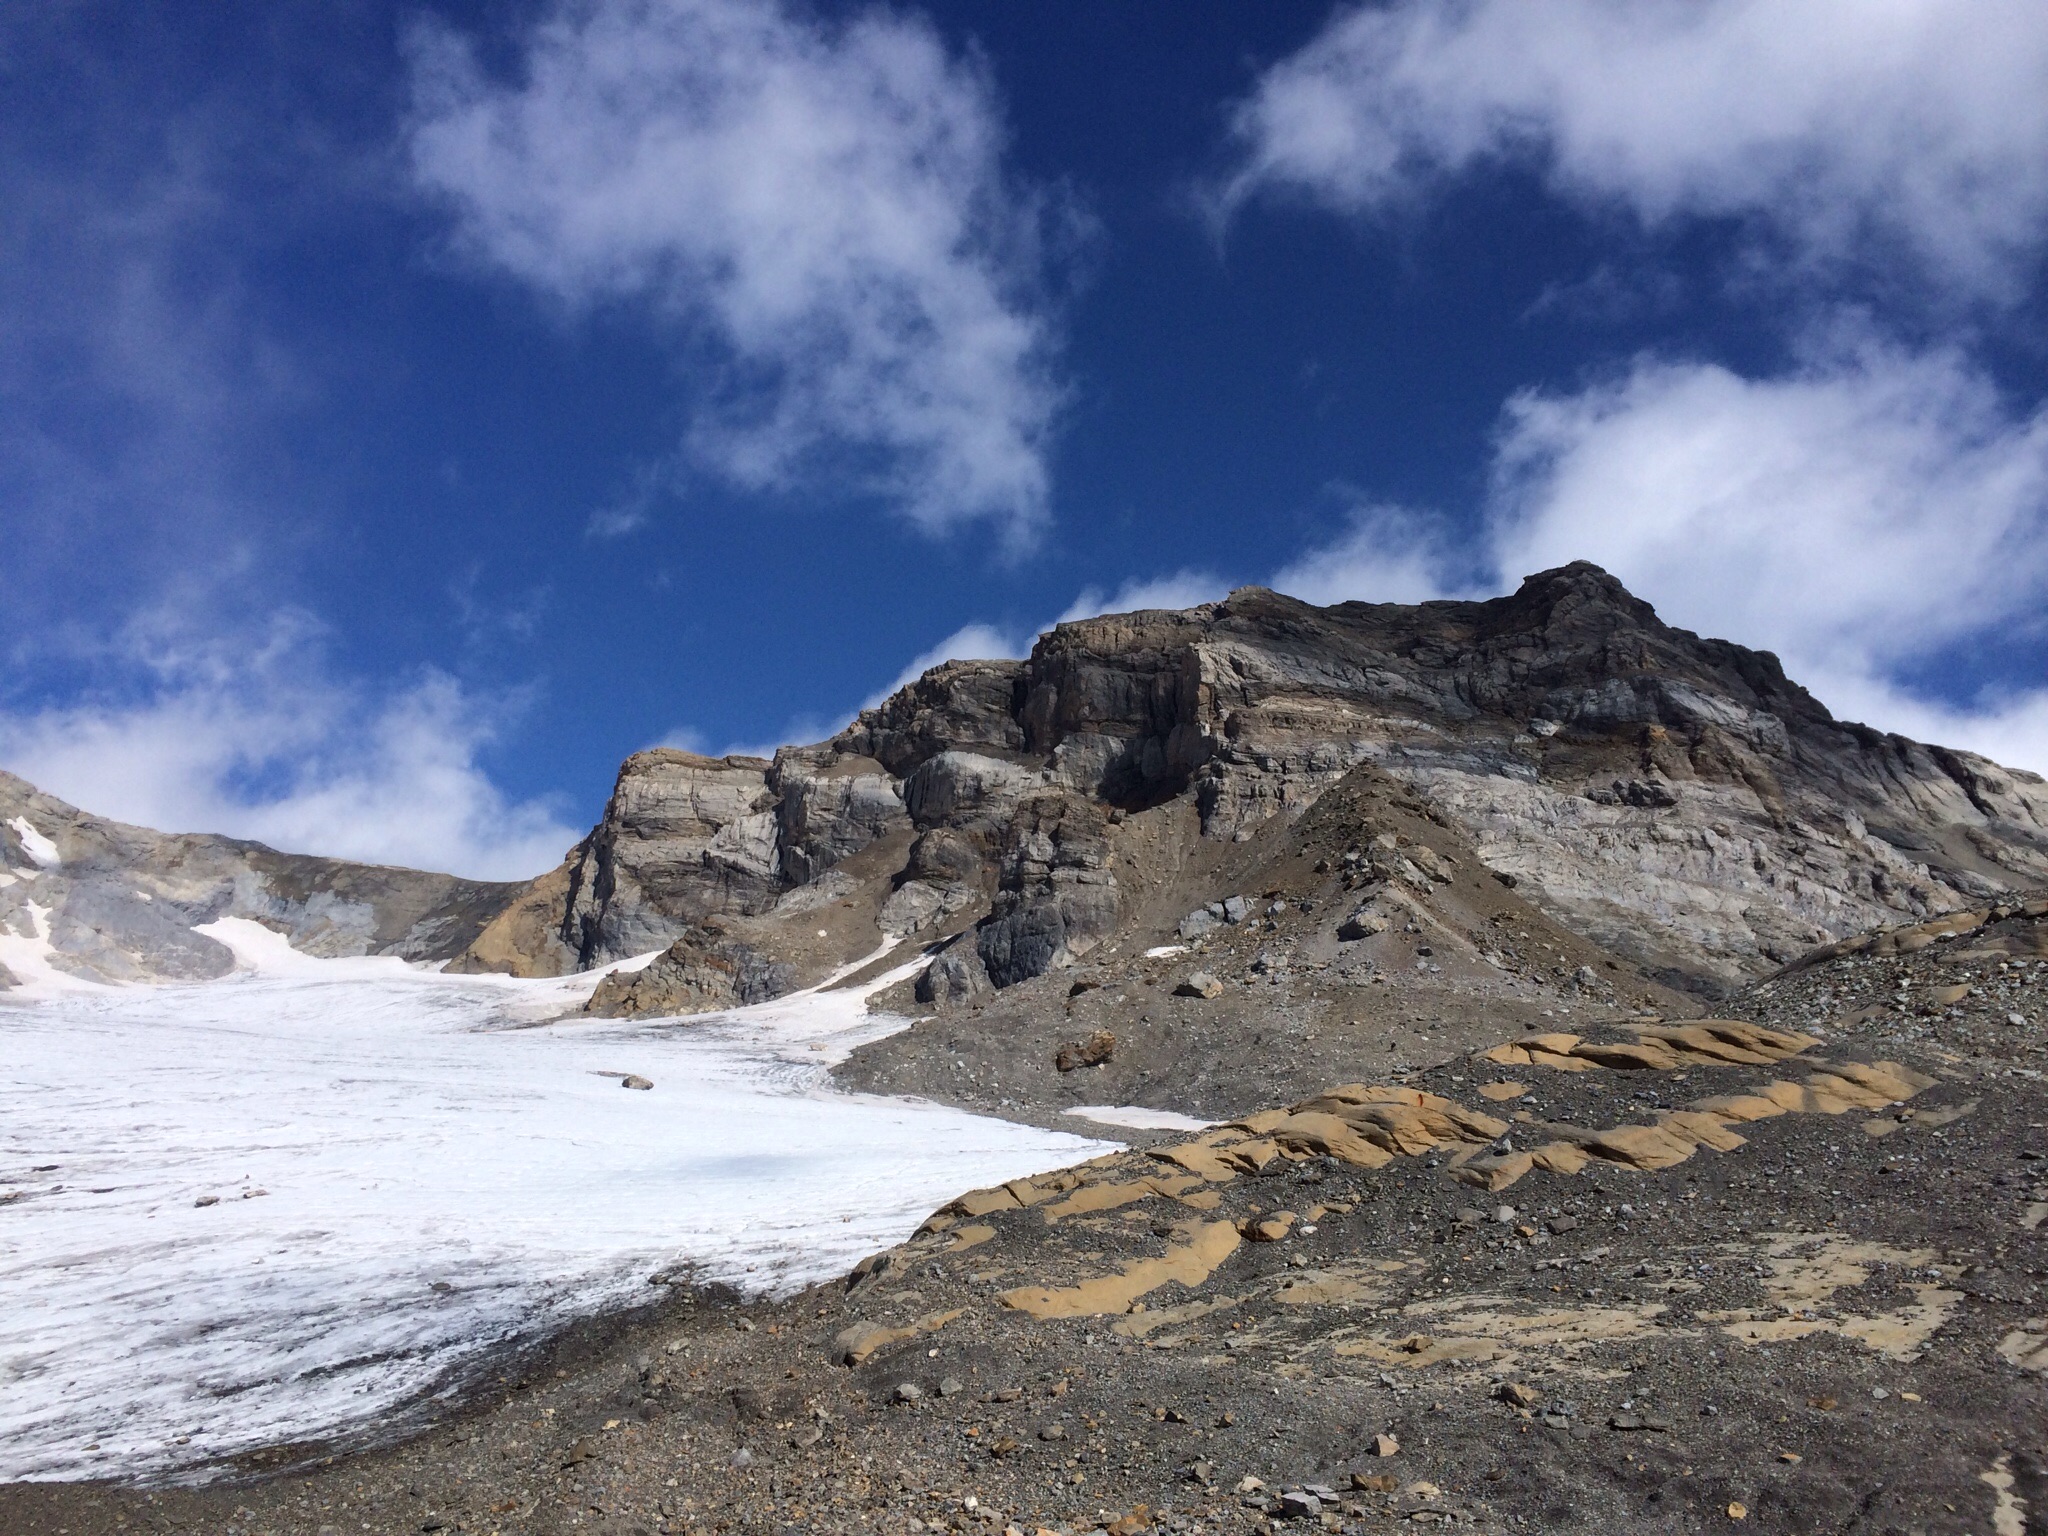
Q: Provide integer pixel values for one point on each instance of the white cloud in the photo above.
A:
(1181, 589)
(1920, 123)
(262, 745)
(824, 200)
(1860, 516)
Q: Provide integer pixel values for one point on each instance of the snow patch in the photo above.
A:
(1138, 1118)
(1166, 951)
(404, 1171)
(35, 845)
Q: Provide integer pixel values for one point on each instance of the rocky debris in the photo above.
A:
(634, 1080)
(1092, 1052)
(701, 972)
(1229, 912)
(1199, 984)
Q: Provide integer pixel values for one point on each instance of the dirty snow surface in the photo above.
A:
(283, 1204)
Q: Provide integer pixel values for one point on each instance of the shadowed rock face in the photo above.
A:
(1676, 800)
(119, 903)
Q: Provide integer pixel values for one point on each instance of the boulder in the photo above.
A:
(1092, 1052)
(1362, 924)
(1199, 984)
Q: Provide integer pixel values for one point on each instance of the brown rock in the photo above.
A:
(1092, 1052)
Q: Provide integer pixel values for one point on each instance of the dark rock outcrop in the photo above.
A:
(703, 971)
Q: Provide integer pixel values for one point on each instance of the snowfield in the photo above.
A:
(283, 1204)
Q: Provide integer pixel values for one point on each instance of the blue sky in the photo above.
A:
(408, 410)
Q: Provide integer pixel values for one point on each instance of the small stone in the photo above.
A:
(1563, 1224)
(1503, 1214)
(1790, 1458)
(2016, 1020)
(631, 1080)
(1470, 1216)
(1515, 1393)
(1627, 1422)
(1236, 909)
(1249, 1484)
(1299, 1504)
(1200, 984)
(1879, 1393)
(207, 1200)
(742, 1459)
(1006, 1394)
(1385, 1445)
(1203, 1472)
(806, 1437)
(952, 1386)
(1374, 1482)
(1738, 1510)
(909, 1392)
(1053, 1432)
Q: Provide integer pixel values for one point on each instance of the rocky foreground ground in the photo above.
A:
(1777, 1271)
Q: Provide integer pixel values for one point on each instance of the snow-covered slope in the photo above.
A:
(280, 1204)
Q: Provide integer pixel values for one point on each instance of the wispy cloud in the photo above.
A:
(824, 202)
(1842, 129)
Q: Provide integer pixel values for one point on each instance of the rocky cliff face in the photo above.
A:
(119, 903)
(1677, 799)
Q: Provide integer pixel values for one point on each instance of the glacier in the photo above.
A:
(307, 1200)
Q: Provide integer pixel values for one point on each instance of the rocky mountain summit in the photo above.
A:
(1675, 800)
